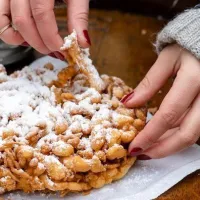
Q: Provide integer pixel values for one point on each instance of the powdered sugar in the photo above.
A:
(51, 159)
(4, 179)
(40, 166)
(68, 40)
(104, 114)
(85, 142)
(26, 101)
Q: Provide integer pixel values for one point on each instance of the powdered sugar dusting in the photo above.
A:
(68, 40)
(26, 101)
(57, 132)
(86, 143)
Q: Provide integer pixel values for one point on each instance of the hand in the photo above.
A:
(36, 23)
(176, 125)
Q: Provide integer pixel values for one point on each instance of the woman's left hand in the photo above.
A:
(176, 125)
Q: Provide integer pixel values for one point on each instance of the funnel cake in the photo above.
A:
(64, 129)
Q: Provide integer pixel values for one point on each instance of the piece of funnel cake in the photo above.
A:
(80, 57)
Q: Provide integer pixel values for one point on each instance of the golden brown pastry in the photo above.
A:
(64, 129)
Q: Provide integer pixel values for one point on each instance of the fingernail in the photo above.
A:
(59, 55)
(143, 157)
(136, 151)
(87, 37)
(127, 97)
(25, 44)
(52, 55)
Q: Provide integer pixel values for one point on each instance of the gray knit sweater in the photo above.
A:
(184, 30)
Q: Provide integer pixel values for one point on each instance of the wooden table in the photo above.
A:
(122, 46)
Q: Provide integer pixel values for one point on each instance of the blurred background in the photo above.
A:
(167, 8)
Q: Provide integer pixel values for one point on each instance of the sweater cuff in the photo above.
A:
(184, 30)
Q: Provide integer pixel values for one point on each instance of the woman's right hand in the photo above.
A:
(36, 23)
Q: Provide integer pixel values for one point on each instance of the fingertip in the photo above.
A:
(82, 34)
(144, 157)
(12, 37)
(134, 103)
(87, 37)
(84, 39)
(133, 100)
(127, 98)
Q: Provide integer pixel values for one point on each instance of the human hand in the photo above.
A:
(176, 125)
(36, 23)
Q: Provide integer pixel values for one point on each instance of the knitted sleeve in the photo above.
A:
(184, 30)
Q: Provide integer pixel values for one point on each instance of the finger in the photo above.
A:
(179, 121)
(167, 134)
(10, 36)
(78, 20)
(183, 92)
(187, 135)
(45, 21)
(155, 78)
(21, 17)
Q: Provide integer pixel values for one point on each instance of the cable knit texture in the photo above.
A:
(184, 30)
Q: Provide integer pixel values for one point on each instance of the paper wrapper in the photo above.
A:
(145, 181)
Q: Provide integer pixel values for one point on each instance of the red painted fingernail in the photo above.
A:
(52, 55)
(136, 151)
(25, 44)
(143, 157)
(87, 37)
(127, 97)
(59, 55)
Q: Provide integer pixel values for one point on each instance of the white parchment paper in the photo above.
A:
(145, 181)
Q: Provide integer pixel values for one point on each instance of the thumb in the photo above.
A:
(154, 80)
(77, 13)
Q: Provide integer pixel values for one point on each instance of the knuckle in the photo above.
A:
(39, 14)
(149, 139)
(19, 21)
(83, 16)
(187, 140)
(169, 117)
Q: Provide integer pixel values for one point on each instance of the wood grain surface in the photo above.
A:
(122, 46)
